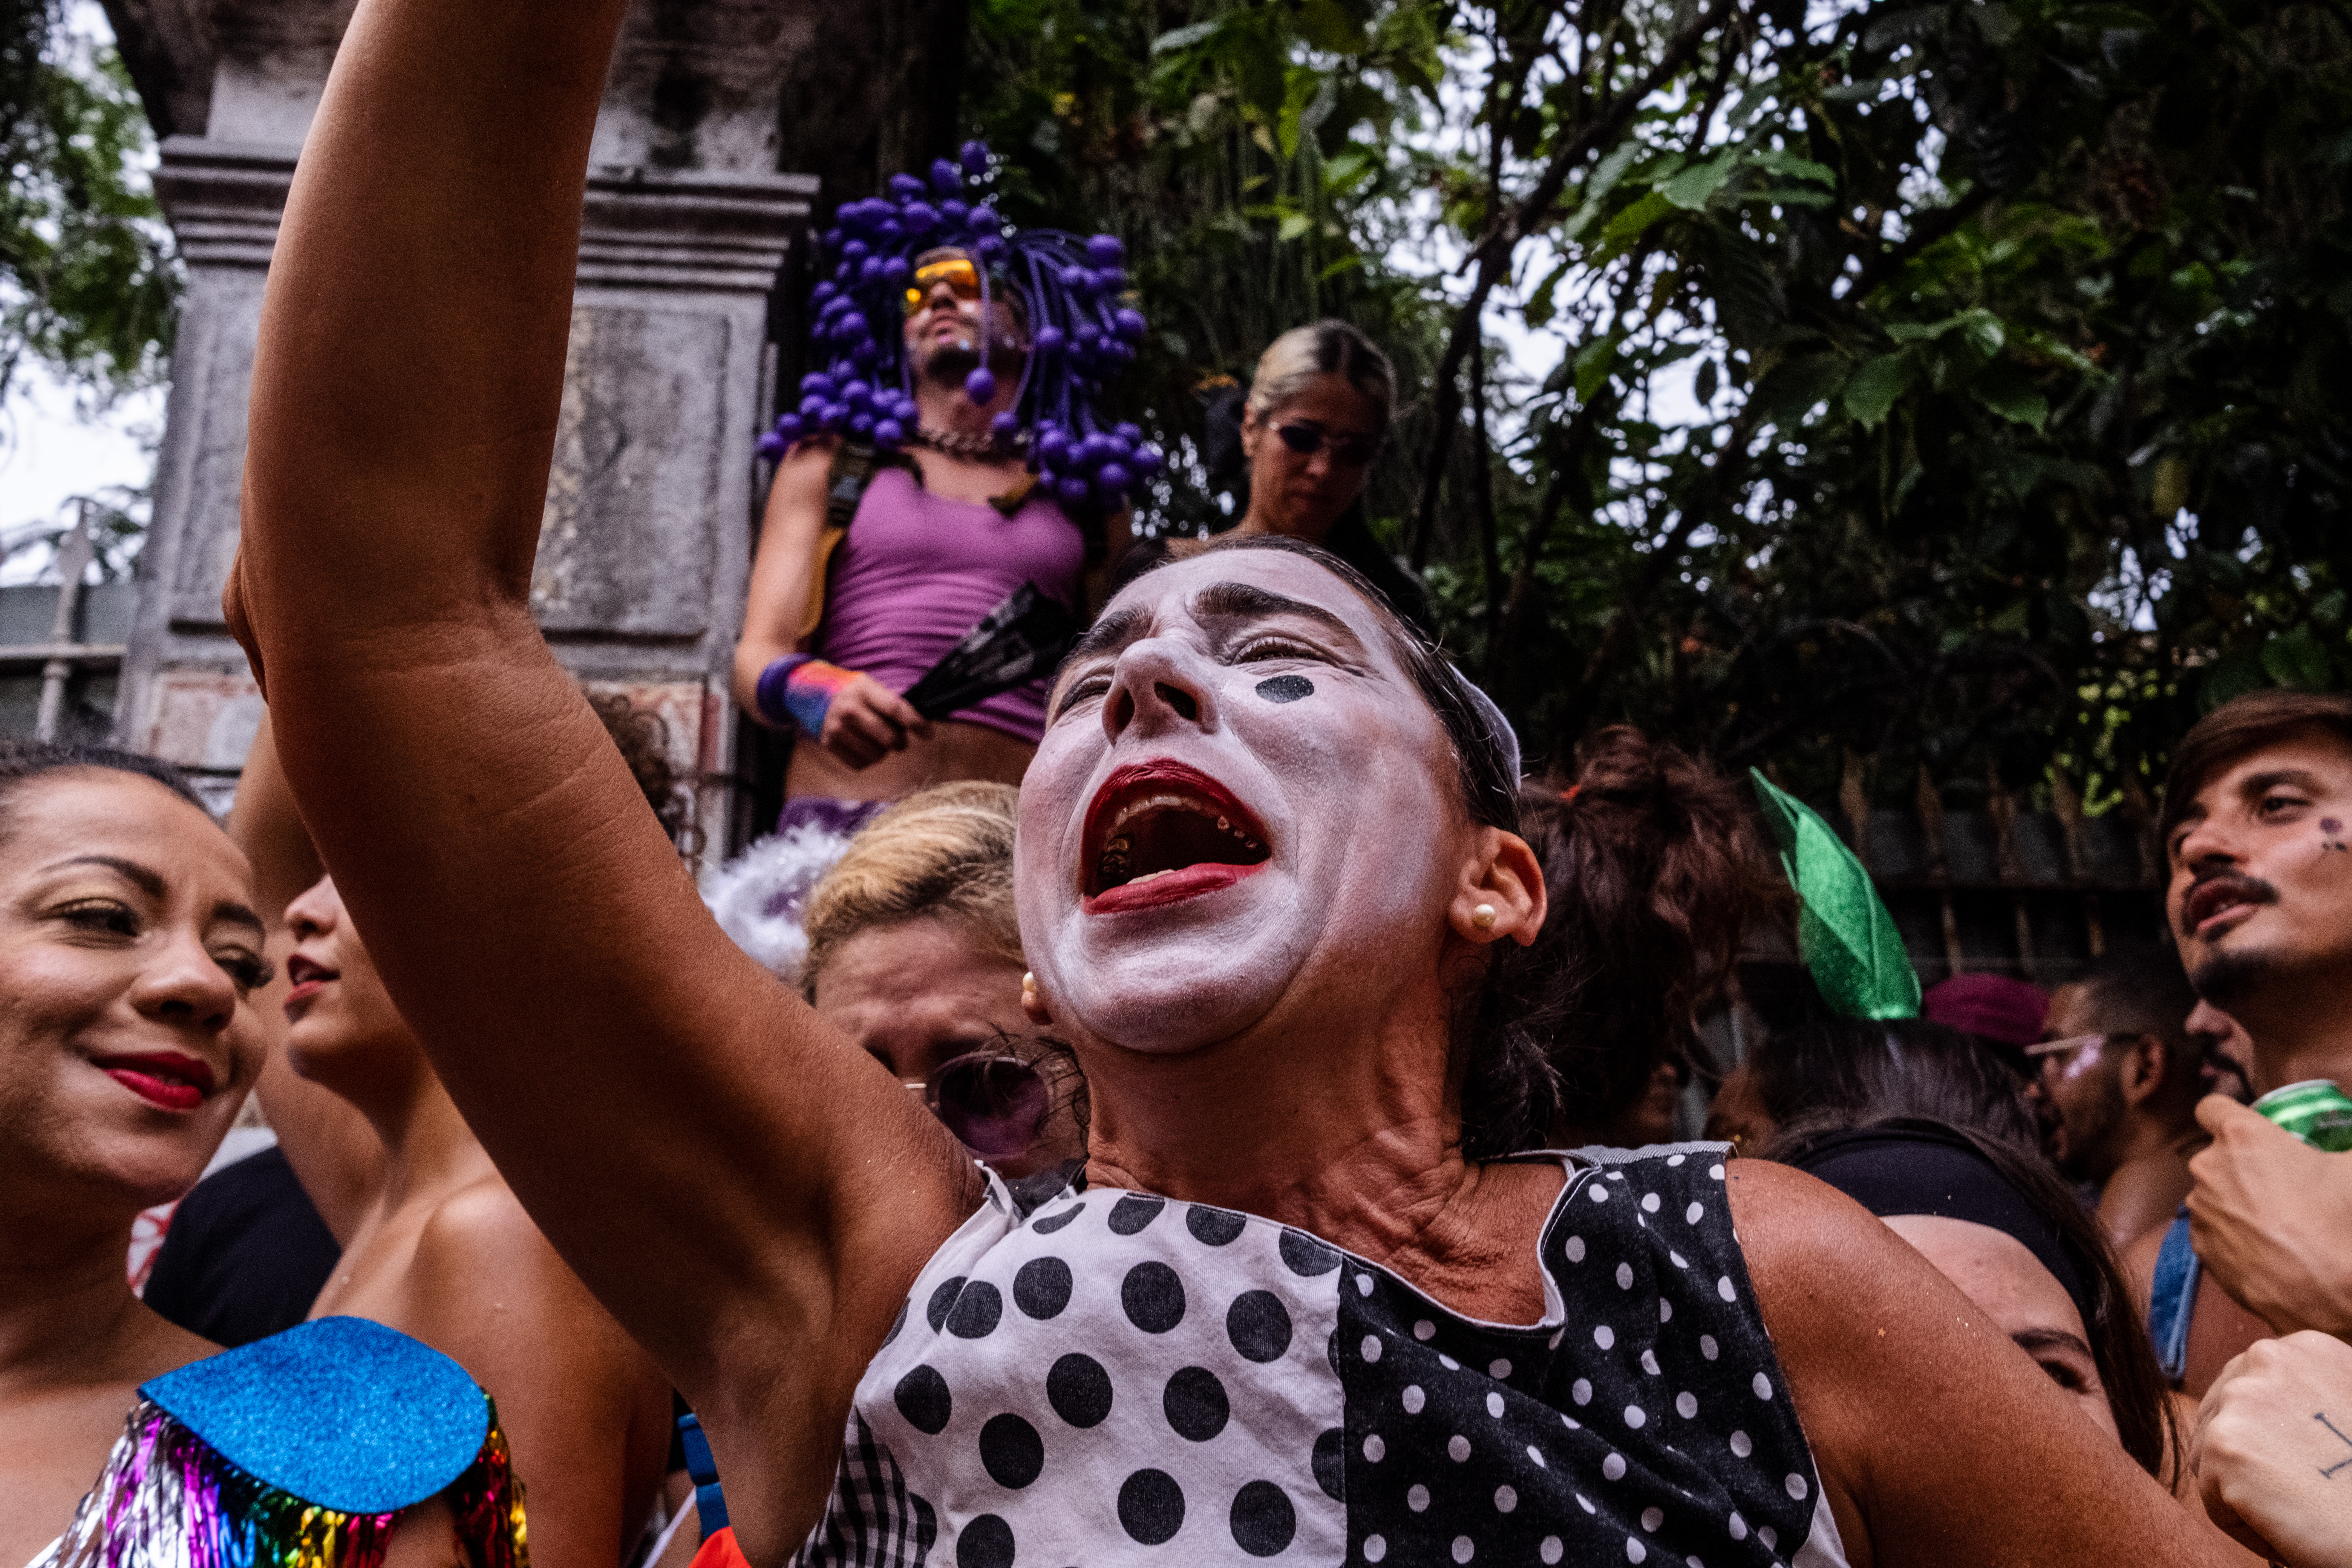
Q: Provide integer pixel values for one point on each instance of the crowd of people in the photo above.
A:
(1173, 1086)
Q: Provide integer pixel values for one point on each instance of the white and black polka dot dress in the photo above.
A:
(1119, 1378)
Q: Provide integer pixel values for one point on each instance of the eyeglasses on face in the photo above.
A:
(1349, 451)
(995, 1104)
(2047, 1053)
(958, 272)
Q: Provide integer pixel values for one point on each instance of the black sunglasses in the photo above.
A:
(994, 1104)
(1354, 451)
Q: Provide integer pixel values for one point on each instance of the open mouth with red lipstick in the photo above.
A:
(1160, 832)
(310, 977)
(164, 1079)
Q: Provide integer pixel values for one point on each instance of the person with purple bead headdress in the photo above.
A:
(927, 475)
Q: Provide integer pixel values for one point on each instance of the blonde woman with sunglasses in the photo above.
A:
(915, 955)
(871, 566)
(1314, 422)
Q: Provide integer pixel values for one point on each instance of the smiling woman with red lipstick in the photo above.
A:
(127, 949)
(1304, 1300)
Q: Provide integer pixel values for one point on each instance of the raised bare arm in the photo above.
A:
(747, 1194)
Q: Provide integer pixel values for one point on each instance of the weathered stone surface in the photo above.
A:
(625, 544)
(213, 382)
(646, 539)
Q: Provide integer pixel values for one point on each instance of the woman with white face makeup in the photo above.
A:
(127, 949)
(1268, 889)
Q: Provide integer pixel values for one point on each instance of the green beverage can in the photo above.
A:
(2314, 1110)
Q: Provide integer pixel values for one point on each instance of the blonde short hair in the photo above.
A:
(943, 853)
(1303, 354)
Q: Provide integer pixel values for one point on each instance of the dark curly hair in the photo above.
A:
(1654, 874)
(643, 740)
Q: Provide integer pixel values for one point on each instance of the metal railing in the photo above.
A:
(63, 654)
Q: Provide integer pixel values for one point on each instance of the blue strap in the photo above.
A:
(708, 1500)
(2172, 1298)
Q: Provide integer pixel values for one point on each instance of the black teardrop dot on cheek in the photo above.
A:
(1285, 687)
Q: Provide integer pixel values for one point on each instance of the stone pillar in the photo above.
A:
(644, 542)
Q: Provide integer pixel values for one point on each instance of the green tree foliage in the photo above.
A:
(88, 282)
(1948, 382)
(1244, 153)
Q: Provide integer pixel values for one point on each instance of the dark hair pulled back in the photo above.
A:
(1827, 1073)
(1654, 873)
(2120, 1347)
(22, 762)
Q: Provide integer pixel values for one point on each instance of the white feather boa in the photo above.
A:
(758, 897)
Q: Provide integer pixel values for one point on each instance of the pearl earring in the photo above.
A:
(1483, 916)
(1028, 980)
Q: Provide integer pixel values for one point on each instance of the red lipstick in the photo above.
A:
(1160, 832)
(166, 1079)
(309, 978)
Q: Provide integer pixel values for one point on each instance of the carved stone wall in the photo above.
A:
(645, 545)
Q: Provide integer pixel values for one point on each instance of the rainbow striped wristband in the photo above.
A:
(798, 689)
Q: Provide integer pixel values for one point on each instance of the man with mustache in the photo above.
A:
(2117, 1080)
(2257, 830)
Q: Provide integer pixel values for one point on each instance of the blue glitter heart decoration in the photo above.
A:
(341, 1412)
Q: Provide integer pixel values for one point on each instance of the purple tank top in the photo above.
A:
(917, 571)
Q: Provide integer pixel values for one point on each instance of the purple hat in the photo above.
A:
(1993, 1005)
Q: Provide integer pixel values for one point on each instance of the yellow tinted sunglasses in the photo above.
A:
(957, 272)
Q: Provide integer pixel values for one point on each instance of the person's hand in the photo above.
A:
(2273, 1450)
(867, 721)
(2272, 1218)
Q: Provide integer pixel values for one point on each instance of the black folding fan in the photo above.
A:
(1021, 639)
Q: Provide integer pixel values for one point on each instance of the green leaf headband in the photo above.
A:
(1848, 939)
